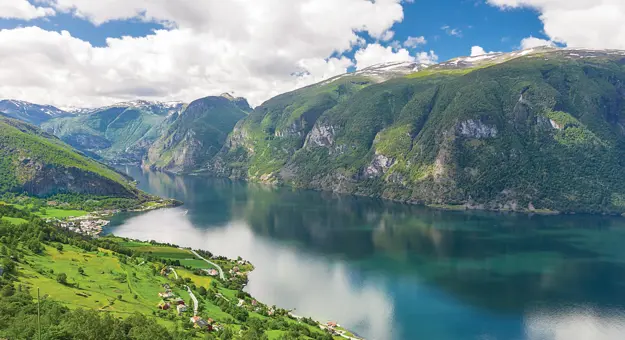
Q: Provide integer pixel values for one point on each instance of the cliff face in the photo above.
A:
(39, 164)
(538, 130)
(197, 134)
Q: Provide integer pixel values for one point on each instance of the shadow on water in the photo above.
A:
(507, 264)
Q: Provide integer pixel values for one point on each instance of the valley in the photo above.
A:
(538, 131)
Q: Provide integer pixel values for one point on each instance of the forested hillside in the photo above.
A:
(39, 164)
(535, 131)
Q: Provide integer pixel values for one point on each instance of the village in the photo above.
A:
(86, 225)
(238, 272)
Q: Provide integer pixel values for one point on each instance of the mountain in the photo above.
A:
(29, 112)
(533, 130)
(197, 134)
(121, 133)
(39, 164)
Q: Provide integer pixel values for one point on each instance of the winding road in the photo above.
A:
(195, 303)
(221, 272)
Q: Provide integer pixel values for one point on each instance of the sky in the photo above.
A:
(87, 53)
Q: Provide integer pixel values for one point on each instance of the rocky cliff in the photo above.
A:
(197, 134)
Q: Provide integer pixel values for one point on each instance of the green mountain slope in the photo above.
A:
(264, 142)
(39, 164)
(119, 134)
(197, 134)
(529, 131)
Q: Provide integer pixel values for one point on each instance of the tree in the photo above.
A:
(81, 271)
(119, 297)
(62, 278)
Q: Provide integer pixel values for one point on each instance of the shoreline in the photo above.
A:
(444, 207)
(100, 216)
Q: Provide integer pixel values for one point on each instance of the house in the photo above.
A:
(235, 269)
(166, 286)
(213, 272)
(164, 306)
(210, 321)
(181, 309)
(179, 301)
(254, 302)
(199, 322)
(166, 295)
(332, 324)
(270, 312)
(241, 303)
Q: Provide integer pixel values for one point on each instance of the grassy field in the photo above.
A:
(14, 220)
(50, 212)
(204, 281)
(61, 213)
(104, 279)
(163, 252)
(101, 281)
(196, 263)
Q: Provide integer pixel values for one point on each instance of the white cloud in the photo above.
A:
(386, 36)
(413, 42)
(455, 32)
(427, 57)
(376, 54)
(578, 23)
(477, 50)
(531, 42)
(22, 9)
(255, 48)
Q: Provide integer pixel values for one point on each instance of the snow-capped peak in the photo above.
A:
(24, 107)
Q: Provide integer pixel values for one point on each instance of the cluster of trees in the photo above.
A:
(18, 320)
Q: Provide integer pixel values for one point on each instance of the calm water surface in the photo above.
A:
(392, 271)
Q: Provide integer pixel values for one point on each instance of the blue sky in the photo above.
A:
(477, 23)
(91, 53)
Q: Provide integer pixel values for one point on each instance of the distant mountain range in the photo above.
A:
(536, 130)
(29, 112)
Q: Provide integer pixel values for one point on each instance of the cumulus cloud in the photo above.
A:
(413, 42)
(479, 50)
(386, 36)
(376, 54)
(22, 9)
(426, 57)
(531, 42)
(578, 23)
(254, 48)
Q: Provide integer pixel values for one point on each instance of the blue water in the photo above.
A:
(394, 271)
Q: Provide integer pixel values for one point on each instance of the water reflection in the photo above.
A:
(284, 276)
(392, 271)
(580, 323)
